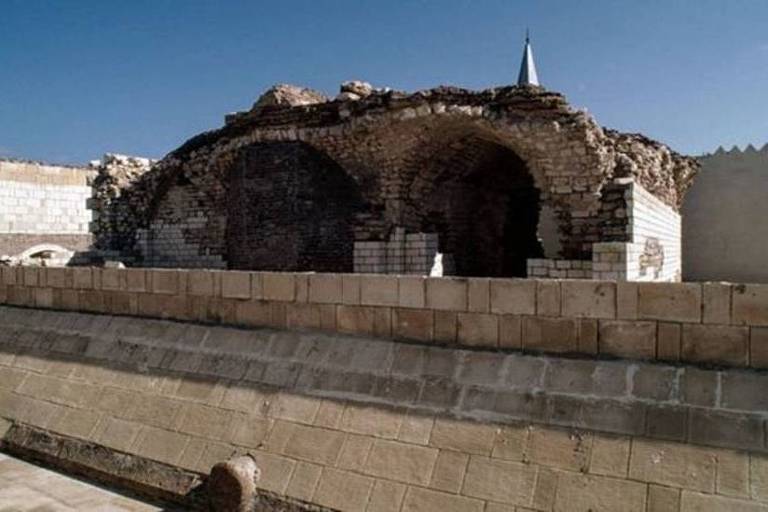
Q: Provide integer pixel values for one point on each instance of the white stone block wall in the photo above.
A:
(655, 232)
(42, 209)
(653, 252)
(412, 253)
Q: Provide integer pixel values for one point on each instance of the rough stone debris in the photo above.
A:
(296, 182)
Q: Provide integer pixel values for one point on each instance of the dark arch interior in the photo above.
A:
(290, 207)
(485, 207)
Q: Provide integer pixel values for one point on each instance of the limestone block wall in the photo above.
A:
(353, 423)
(698, 323)
(725, 236)
(642, 242)
(412, 253)
(43, 204)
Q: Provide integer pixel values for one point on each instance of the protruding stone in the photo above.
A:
(289, 95)
(232, 485)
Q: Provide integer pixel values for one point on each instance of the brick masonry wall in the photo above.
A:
(355, 424)
(43, 204)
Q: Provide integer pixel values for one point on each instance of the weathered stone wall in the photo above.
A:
(43, 204)
(709, 323)
(357, 424)
(435, 161)
(725, 236)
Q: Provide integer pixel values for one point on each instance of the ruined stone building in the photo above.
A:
(509, 181)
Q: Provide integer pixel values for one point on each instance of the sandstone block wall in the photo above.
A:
(43, 204)
(725, 236)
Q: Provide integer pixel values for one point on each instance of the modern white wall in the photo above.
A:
(725, 218)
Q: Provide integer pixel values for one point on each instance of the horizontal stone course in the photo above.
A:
(709, 323)
(571, 441)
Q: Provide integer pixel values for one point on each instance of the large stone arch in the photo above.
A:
(290, 207)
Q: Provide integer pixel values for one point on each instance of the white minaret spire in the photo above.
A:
(527, 74)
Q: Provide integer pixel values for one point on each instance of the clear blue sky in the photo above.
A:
(82, 77)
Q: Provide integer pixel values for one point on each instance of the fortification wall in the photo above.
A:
(43, 204)
(725, 236)
(353, 423)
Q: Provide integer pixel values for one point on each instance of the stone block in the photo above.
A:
(699, 387)
(304, 481)
(446, 294)
(587, 336)
(446, 326)
(663, 499)
(499, 480)
(733, 473)
(378, 290)
(729, 430)
(668, 344)
(513, 296)
(314, 444)
(758, 347)
(136, 280)
(449, 471)
(58, 277)
(743, 390)
(418, 499)
(164, 281)
(416, 429)
(343, 490)
(626, 300)
(750, 304)
(350, 289)
(548, 298)
(610, 456)
(325, 288)
(371, 421)
(382, 322)
(674, 302)
(302, 287)
(715, 344)
(110, 278)
(276, 471)
(550, 334)
(716, 303)
(631, 339)
(673, 464)
(758, 476)
(559, 448)
(236, 285)
(204, 421)
(201, 283)
(279, 286)
(412, 292)
(401, 462)
(303, 316)
(161, 445)
(577, 492)
(355, 319)
(478, 329)
(254, 314)
(479, 295)
(591, 299)
(667, 422)
(511, 442)
(414, 324)
(510, 331)
(463, 436)
(695, 502)
(386, 497)
(355, 452)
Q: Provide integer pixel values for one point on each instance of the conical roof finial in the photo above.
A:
(528, 75)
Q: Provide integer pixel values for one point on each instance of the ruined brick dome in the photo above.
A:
(296, 181)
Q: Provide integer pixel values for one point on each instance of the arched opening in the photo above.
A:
(290, 207)
(485, 206)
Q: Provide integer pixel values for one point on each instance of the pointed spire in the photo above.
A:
(527, 74)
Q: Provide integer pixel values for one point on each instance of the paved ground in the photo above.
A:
(30, 488)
